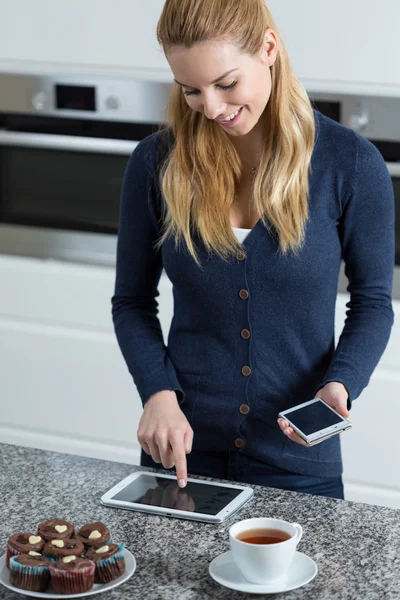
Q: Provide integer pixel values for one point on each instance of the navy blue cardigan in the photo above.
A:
(286, 303)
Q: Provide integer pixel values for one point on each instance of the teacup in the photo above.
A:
(269, 550)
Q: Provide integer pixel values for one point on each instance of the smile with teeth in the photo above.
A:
(232, 116)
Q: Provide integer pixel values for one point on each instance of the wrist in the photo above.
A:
(162, 396)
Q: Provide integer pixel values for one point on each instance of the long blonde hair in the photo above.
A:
(201, 172)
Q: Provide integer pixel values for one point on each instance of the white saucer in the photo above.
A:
(98, 588)
(224, 570)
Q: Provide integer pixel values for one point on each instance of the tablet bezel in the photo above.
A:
(224, 514)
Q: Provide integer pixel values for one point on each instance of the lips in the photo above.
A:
(221, 120)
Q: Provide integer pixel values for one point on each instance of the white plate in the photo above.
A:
(224, 570)
(98, 588)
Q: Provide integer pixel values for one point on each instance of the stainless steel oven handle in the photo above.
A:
(67, 142)
(394, 169)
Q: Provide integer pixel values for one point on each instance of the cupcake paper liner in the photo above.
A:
(110, 568)
(50, 557)
(10, 553)
(34, 579)
(72, 582)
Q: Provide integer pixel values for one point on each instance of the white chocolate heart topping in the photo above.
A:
(57, 543)
(33, 553)
(68, 559)
(60, 528)
(34, 539)
(102, 549)
(95, 535)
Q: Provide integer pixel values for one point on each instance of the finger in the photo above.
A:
(292, 435)
(145, 448)
(164, 449)
(340, 406)
(342, 410)
(166, 455)
(178, 451)
(188, 440)
(154, 452)
(167, 459)
(337, 403)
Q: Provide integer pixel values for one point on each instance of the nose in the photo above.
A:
(213, 108)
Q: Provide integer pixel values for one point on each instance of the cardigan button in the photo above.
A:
(246, 371)
(244, 409)
(245, 333)
(244, 294)
(239, 443)
(240, 255)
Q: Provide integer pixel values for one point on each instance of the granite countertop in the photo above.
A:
(356, 546)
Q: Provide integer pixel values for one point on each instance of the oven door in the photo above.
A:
(61, 181)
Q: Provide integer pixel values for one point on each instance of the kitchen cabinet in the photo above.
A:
(342, 46)
(370, 448)
(93, 35)
(346, 47)
(64, 384)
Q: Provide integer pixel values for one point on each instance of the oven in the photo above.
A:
(64, 145)
(377, 118)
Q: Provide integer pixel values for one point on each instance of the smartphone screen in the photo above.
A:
(313, 417)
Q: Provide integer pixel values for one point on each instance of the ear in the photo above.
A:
(270, 48)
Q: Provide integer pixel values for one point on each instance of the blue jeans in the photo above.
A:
(236, 466)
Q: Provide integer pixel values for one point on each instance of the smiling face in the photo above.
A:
(244, 87)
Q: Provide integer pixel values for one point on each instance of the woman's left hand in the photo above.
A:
(334, 394)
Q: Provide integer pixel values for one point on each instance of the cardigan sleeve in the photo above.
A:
(138, 272)
(366, 230)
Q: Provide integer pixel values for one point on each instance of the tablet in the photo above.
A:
(160, 494)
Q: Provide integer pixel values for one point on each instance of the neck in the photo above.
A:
(249, 147)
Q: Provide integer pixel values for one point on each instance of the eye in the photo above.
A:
(222, 87)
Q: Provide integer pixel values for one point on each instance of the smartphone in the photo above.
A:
(315, 420)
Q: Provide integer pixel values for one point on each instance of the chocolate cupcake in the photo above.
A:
(93, 534)
(55, 549)
(56, 529)
(109, 560)
(22, 543)
(72, 575)
(30, 572)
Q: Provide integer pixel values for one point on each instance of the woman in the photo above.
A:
(248, 199)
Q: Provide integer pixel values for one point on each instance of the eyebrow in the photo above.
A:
(215, 80)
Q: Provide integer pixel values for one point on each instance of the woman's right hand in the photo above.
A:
(165, 434)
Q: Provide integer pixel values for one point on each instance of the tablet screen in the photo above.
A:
(196, 497)
(314, 417)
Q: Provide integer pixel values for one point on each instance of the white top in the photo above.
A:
(241, 233)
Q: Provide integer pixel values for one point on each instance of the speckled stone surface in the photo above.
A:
(356, 546)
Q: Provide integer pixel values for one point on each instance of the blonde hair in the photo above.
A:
(201, 172)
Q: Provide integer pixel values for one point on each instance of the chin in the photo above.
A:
(244, 131)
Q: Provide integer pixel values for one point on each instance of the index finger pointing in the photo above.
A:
(179, 454)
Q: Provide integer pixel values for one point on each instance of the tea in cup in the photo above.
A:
(264, 548)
